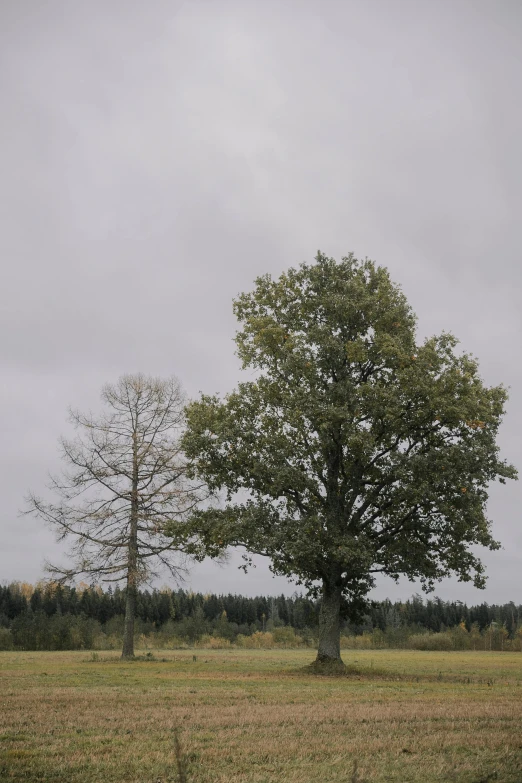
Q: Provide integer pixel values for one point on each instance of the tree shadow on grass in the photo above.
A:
(340, 670)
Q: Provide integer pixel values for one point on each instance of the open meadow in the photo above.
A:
(257, 716)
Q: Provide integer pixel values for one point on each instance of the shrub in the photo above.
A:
(256, 641)
(285, 636)
(213, 642)
(363, 642)
(431, 641)
(104, 641)
(143, 642)
(6, 639)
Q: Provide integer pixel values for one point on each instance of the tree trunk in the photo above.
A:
(131, 593)
(132, 567)
(130, 614)
(330, 625)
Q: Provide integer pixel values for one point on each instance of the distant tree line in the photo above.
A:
(51, 616)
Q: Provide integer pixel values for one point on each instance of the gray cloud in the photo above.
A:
(157, 157)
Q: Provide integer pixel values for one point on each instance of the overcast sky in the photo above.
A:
(157, 156)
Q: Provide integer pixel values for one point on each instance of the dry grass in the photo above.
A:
(257, 716)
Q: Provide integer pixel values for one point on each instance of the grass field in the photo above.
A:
(257, 716)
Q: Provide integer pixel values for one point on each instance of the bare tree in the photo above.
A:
(125, 479)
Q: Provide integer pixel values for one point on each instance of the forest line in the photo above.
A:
(50, 616)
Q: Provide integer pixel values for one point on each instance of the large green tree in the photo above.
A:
(353, 451)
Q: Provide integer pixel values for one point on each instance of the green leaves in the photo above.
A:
(355, 450)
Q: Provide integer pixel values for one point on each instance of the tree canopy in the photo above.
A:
(354, 450)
